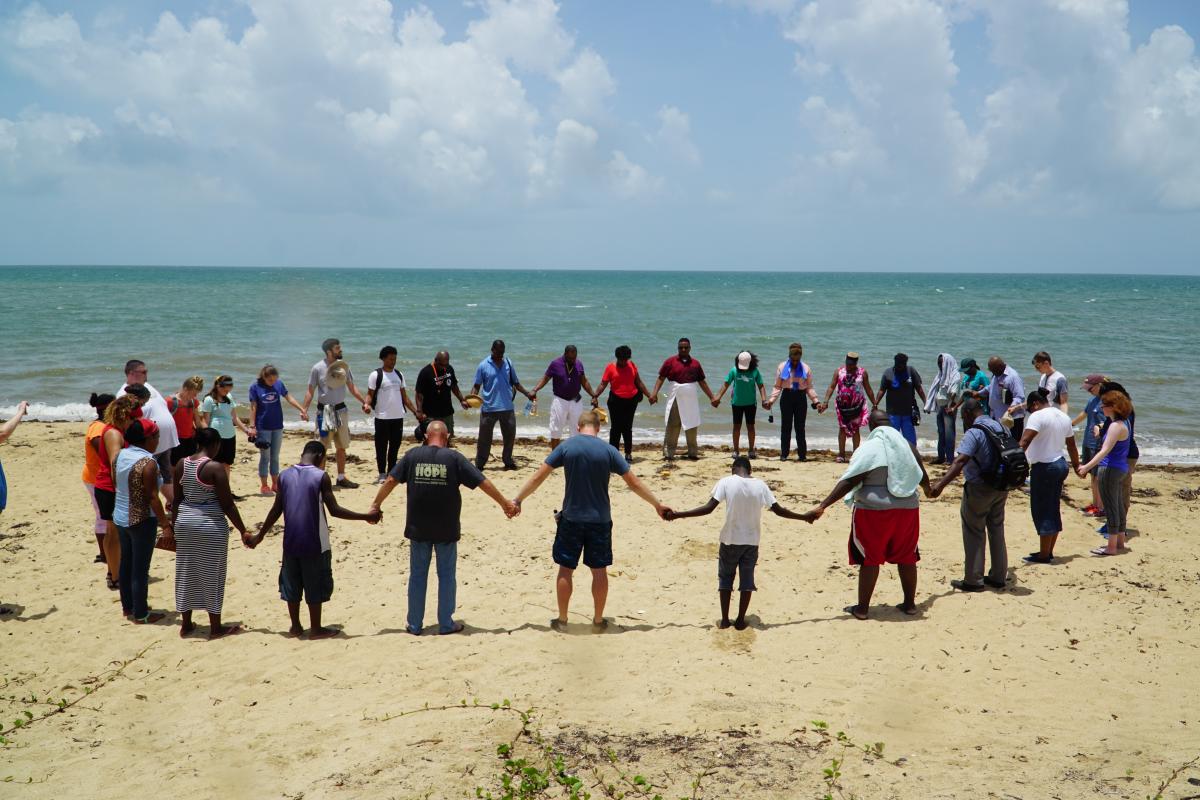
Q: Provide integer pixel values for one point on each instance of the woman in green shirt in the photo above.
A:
(974, 384)
(217, 410)
(747, 382)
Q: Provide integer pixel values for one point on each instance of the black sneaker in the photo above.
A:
(963, 586)
(346, 483)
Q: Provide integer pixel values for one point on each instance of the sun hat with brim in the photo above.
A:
(743, 359)
(473, 401)
(337, 374)
(1095, 379)
(852, 355)
(603, 415)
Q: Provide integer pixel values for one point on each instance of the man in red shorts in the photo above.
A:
(882, 481)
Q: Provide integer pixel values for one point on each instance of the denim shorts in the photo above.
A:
(310, 575)
(591, 539)
(741, 558)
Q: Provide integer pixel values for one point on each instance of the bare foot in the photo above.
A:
(224, 630)
(322, 633)
(599, 626)
(295, 630)
(856, 612)
(908, 608)
(186, 628)
(740, 624)
(724, 623)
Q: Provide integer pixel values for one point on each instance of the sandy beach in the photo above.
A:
(1078, 680)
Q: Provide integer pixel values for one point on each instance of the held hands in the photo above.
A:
(716, 402)
(304, 415)
(664, 512)
(512, 508)
(374, 516)
(812, 515)
(366, 407)
(1082, 471)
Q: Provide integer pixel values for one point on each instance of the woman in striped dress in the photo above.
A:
(202, 502)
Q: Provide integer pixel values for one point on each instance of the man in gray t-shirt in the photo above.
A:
(982, 509)
(332, 414)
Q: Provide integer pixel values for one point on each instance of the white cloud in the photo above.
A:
(317, 104)
(675, 135)
(1078, 117)
(38, 149)
(631, 180)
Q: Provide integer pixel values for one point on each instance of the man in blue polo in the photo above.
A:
(498, 380)
(566, 372)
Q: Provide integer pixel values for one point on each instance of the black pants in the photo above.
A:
(389, 433)
(508, 431)
(793, 405)
(620, 420)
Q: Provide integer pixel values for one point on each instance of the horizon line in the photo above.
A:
(744, 270)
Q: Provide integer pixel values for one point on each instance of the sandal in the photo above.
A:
(1100, 551)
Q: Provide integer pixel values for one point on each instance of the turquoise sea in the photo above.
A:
(67, 331)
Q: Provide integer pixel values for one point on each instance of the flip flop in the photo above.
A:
(1100, 551)
(912, 612)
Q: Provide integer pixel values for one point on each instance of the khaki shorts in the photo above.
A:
(341, 434)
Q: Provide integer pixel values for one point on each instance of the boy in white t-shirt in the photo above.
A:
(744, 498)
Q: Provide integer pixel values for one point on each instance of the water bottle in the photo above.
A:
(528, 408)
(533, 411)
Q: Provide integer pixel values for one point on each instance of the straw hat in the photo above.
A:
(602, 414)
(473, 401)
(1007, 421)
(336, 375)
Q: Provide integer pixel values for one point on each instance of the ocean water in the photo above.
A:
(67, 331)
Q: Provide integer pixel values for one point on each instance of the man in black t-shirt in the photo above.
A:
(433, 473)
(897, 392)
(435, 384)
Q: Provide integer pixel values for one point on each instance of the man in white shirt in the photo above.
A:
(1048, 435)
(155, 410)
(744, 498)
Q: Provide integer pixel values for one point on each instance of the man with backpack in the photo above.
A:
(496, 376)
(991, 463)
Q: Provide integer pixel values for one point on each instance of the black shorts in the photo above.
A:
(228, 450)
(310, 575)
(106, 501)
(746, 412)
(591, 539)
(185, 448)
(740, 558)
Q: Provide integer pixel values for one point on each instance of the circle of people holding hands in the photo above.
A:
(158, 470)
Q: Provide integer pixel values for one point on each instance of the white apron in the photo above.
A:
(684, 395)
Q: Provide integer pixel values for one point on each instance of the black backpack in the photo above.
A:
(1012, 466)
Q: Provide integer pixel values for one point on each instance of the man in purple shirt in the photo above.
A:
(566, 374)
(305, 491)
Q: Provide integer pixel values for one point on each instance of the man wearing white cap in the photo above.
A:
(331, 379)
(683, 407)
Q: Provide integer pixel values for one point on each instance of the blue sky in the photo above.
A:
(991, 135)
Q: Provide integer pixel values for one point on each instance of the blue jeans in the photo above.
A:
(419, 556)
(945, 426)
(269, 456)
(904, 424)
(137, 547)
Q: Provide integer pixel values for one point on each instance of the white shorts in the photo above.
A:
(564, 417)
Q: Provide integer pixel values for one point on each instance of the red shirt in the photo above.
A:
(673, 369)
(185, 417)
(621, 379)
